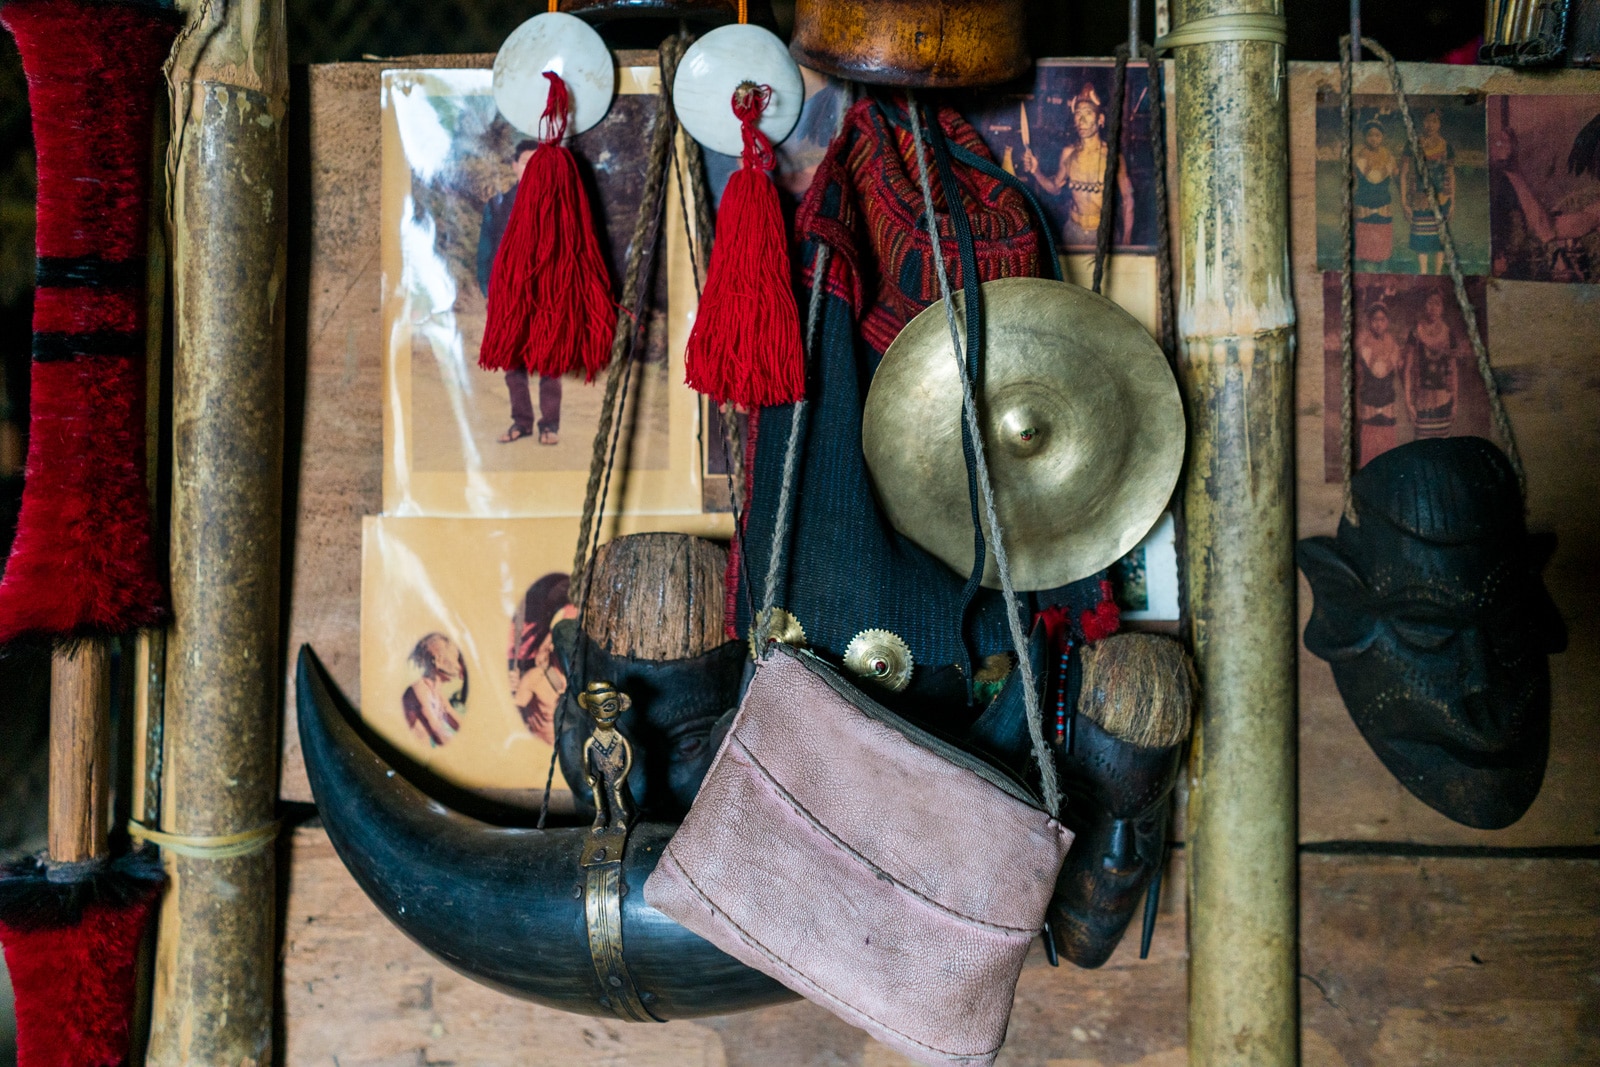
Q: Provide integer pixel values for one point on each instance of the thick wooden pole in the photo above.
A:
(214, 987)
(1238, 375)
(80, 750)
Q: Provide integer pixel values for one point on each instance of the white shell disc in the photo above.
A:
(572, 49)
(716, 65)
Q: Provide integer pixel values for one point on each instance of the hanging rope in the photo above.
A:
(1347, 300)
(608, 431)
(1497, 410)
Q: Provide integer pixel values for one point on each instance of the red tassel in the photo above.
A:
(550, 306)
(1105, 619)
(745, 346)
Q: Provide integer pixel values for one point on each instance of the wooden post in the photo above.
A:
(1237, 323)
(80, 750)
(214, 988)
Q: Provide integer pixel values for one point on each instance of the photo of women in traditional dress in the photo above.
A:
(1415, 371)
(1378, 377)
(1432, 355)
(435, 703)
(1544, 160)
(537, 679)
(1439, 156)
(1054, 139)
(1376, 175)
(1395, 228)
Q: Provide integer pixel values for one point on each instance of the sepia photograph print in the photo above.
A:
(1053, 138)
(1396, 230)
(1544, 205)
(1415, 371)
(467, 441)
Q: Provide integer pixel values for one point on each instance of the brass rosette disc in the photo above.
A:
(775, 626)
(1082, 425)
(880, 656)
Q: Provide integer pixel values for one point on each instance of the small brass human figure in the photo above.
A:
(607, 756)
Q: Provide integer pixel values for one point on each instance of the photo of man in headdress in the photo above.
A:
(1544, 160)
(1054, 138)
(1080, 174)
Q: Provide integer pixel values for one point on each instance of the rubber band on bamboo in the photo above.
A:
(1220, 29)
(218, 847)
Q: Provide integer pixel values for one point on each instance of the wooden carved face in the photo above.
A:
(1438, 627)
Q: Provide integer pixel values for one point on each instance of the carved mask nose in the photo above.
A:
(1122, 854)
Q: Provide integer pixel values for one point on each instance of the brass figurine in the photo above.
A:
(607, 757)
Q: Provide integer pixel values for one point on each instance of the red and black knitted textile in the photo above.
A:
(83, 561)
(866, 206)
(71, 949)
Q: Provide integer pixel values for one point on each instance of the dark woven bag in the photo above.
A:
(846, 569)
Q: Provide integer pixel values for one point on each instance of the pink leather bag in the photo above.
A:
(868, 865)
(864, 863)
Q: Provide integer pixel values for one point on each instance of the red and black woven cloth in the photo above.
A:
(83, 561)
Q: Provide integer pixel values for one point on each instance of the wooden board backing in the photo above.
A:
(1542, 338)
(1403, 960)
(1345, 793)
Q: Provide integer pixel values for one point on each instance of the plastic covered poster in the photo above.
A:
(457, 663)
(460, 440)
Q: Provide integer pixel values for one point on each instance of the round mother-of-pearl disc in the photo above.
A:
(716, 65)
(572, 49)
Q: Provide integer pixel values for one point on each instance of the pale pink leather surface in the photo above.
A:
(889, 885)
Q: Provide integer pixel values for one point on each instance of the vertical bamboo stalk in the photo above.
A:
(214, 986)
(1238, 374)
(80, 750)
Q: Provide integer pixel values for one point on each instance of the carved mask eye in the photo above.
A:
(1422, 632)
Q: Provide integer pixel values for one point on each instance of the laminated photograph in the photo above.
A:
(462, 440)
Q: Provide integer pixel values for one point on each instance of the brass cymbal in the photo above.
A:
(1083, 428)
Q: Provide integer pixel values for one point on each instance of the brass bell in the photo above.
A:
(880, 656)
(775, 626)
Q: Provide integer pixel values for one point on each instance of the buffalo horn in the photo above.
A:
(502, 905)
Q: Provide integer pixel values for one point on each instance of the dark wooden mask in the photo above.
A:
(1433, 615)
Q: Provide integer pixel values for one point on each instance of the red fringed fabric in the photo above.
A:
(550, 308)
(71, 950)
(83, 560)
(745, 346)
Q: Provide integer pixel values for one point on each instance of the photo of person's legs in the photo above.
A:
(521, 405)
(549, 409)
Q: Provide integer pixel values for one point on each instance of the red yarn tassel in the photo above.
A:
(1104, 620)
(550, 305)
(745, 346)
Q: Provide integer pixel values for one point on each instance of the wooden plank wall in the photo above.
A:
(1417, 944)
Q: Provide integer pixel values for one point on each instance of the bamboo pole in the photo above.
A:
(1237, 323)
(80, 750)
(214, 987)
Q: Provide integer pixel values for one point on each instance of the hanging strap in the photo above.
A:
(971, 431)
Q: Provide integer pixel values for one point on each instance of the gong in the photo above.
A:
(1082, 425)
